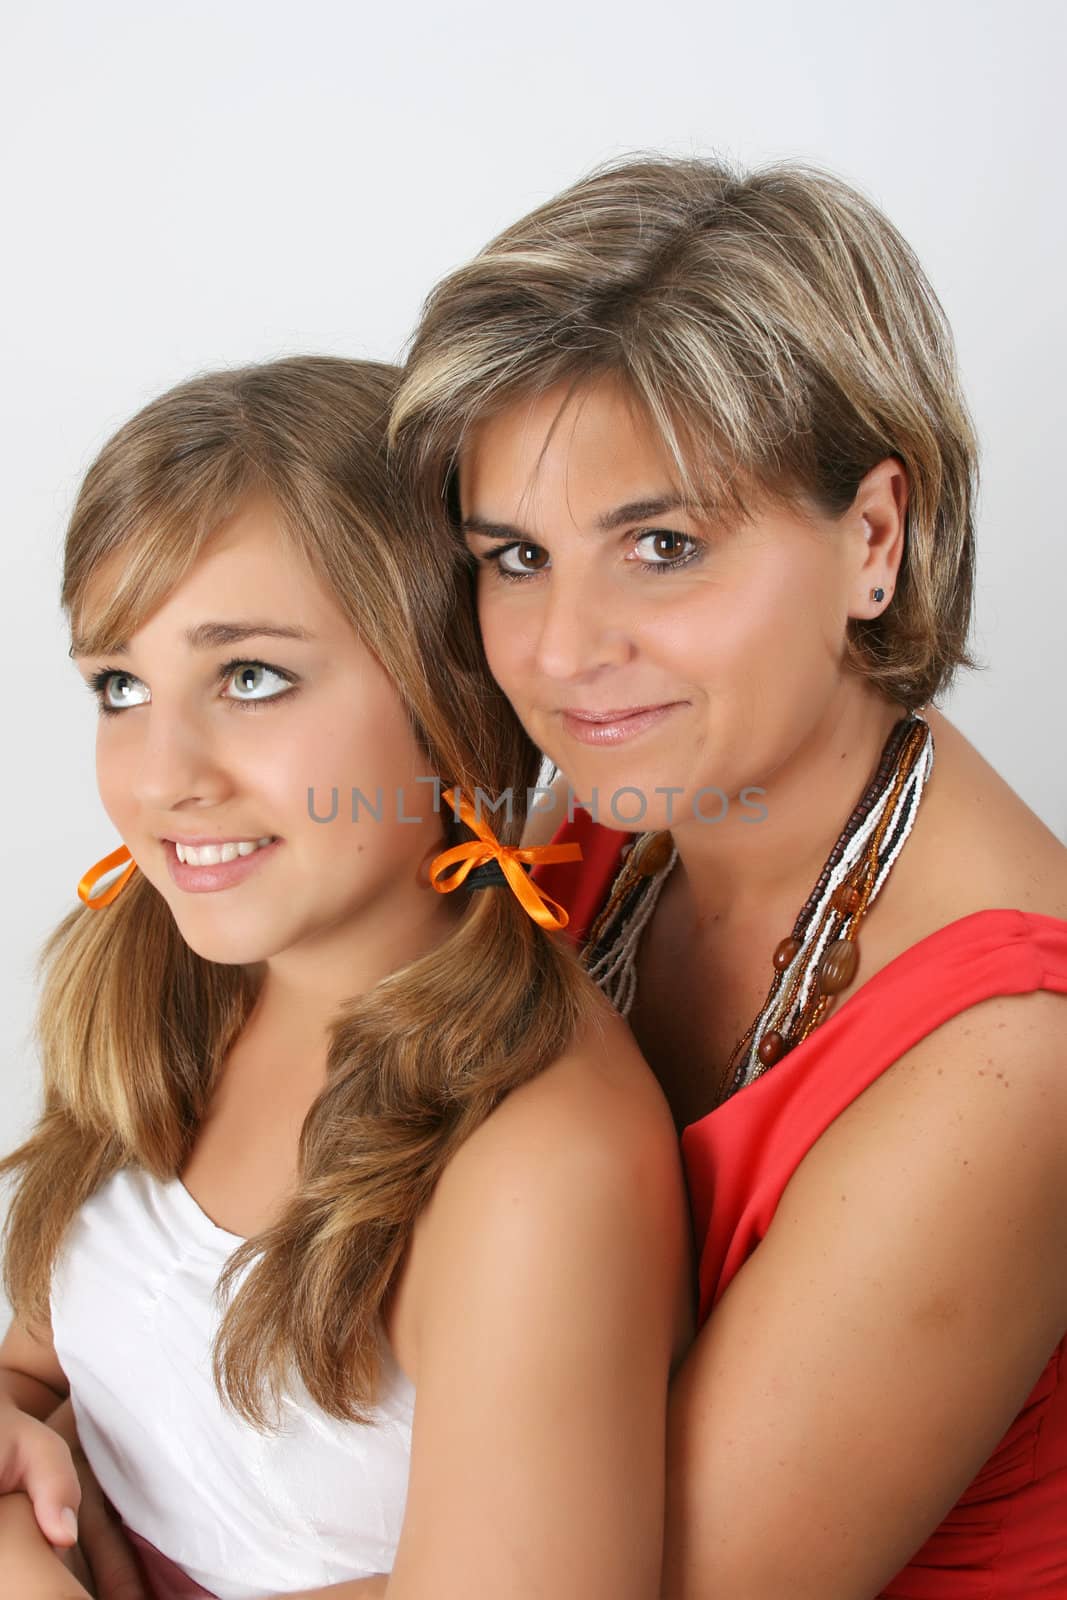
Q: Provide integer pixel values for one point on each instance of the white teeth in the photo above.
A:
(210, 855)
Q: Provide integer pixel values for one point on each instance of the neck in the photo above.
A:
(303, 987)
(741, 869)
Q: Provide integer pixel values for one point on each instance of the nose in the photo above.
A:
(582, 627)
(175, 764)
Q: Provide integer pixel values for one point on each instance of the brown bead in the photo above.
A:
(655, 855)
(838, 966)
(846, 898)
(770, 1048)
(785, 952)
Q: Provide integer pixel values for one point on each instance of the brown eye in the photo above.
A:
(663, 547)
(521, 557)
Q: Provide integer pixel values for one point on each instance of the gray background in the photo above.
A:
(190, 184)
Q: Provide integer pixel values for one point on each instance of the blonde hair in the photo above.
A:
(776, 330)
(133, 1027)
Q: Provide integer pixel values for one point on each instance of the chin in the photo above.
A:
(225, 948)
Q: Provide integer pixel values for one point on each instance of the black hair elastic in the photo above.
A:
(490, 875)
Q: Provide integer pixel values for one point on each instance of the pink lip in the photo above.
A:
(225, 875)
(615, 727)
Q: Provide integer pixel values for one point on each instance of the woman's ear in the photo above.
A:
(879, 516)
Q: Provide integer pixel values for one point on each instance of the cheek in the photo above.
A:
(504, 639)
(713, 636)
(114, 773)
(786, 643)
(362, 740)
(777, 618)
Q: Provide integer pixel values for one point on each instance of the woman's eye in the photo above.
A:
(662, 547)
(249, 676)
(520, 558)
(104, 680)
(250, 679)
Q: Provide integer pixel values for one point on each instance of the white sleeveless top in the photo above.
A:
(244, 1513)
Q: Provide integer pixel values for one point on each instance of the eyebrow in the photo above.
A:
(634, 511)
(210, 635)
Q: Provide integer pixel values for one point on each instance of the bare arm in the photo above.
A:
(32, 1457)
(103, 1558)
(31, 1377)
(546, 1309)
(874, 1350)
(31, 1568)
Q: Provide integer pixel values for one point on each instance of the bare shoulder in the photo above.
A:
(989, 842)
(1008, 1052)
(973, 1116)
(574, 1177)
(596, 1114)
(976, 846)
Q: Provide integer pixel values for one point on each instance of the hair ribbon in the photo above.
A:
(464, 858)
(100, 870)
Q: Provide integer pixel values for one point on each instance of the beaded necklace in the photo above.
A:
(819, 957)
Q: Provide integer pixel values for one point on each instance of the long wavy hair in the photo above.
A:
(133, 1027)
(776, 330)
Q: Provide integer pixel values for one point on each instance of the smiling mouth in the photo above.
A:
(618, 726)
(217, 852)
(209, 870)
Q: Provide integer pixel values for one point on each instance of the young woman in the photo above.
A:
(702, 435)
(398, 1130)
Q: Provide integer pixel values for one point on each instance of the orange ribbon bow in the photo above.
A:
(102, 867)
(545, 911)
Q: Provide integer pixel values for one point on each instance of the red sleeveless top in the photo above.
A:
(1006, 1539)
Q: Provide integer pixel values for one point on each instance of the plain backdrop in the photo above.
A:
(190, 184)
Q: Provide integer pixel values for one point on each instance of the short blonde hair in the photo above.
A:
(778, 332)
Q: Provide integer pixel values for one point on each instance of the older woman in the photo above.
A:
(702, 434)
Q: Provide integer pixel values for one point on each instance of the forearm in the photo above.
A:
(61, 1421)
(32, 1569)
(28, 1394)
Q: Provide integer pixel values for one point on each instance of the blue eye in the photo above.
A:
(99, 682)
(245, 668)
(98, 686)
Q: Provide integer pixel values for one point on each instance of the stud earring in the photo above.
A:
(877, 594)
